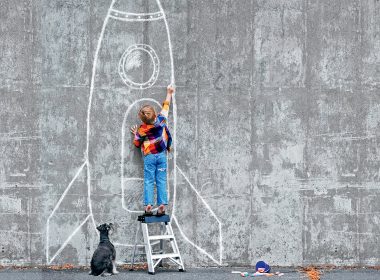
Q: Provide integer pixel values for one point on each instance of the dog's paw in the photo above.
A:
(105, 274)
(115, 272)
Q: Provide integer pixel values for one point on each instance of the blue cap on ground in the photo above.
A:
(262, 264)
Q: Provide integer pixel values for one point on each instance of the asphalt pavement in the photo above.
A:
(194, 273)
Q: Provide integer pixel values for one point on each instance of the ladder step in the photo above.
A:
(159, 237)
(153, 219)
(163, 256)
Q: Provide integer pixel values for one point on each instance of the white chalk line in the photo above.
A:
(134, 19)
(156, 66)
(172, 82)
(127, 245)
(93, 74)
(132, 211)
(199, 195)
(87, 147)
(57, 206)
(123, 132)
(137, 17)
(67, 240)
(212, 213)
(135, 14)
(67, 189)
(175, 154)
(203, 251)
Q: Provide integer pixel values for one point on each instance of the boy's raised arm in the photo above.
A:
(165, 107)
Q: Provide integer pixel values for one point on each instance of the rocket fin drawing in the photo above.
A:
(208, 230)
(133, 65)
(68, 216)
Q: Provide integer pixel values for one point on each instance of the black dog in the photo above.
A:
(103, 260)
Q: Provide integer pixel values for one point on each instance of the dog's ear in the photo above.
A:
(101, 227)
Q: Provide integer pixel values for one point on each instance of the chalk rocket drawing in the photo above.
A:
(117, 89)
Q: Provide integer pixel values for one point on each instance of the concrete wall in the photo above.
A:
(277, 128)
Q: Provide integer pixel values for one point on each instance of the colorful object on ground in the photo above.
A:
(246, 274)
(261, 267)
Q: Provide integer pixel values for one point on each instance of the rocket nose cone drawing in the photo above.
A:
(136, 7)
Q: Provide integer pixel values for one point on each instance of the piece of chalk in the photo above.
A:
(262, 274)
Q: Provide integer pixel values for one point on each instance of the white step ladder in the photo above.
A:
(155, 258)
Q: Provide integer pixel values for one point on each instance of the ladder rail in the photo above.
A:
(166, 234)
(135, 247)
(174, 244)
(148, 247)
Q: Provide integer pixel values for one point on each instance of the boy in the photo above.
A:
(153, 137)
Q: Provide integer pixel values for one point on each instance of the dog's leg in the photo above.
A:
(90, 273)
(114, 271)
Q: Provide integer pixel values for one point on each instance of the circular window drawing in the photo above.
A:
(136, 60)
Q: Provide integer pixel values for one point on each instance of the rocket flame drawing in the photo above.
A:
(117, 89)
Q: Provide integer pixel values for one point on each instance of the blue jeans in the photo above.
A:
(155, 170)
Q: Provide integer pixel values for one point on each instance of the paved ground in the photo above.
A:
(198, 274)
(360, 274)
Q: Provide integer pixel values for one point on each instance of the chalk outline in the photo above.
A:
(212, 213)
(136, 17)
(52, 214)
(88, 166)
(156, 66)
(86, 162)
(123, 180)
(122, 153)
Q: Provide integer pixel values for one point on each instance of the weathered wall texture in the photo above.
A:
(278, 115)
